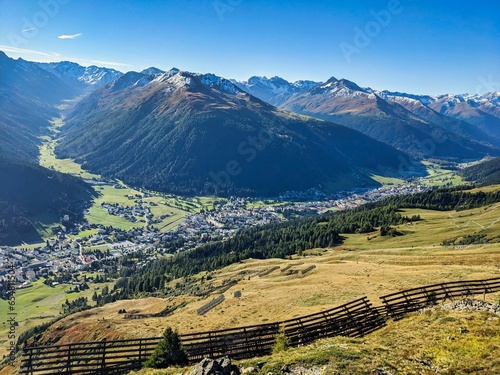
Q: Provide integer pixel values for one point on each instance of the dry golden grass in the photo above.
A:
(339, 277)
(423, 343)
(360, 267)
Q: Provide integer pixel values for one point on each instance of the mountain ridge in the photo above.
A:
(28, 190)
(174, 125)
(345, 102)
(73, 73)
(463, 132)
(166, 99)
(274, 90)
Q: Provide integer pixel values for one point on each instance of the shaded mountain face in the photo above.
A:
(273, 90)
(29, 190)
(402, 125)
(193, 133)
(28, 95)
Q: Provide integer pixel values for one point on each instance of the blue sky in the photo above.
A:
(425, 46)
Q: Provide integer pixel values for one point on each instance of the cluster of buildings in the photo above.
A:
(54, 258)
(64, 254)
(224, 221)
(130, 213)
(228, 218)
(358, 198)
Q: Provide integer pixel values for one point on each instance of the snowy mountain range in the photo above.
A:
(195, 133)
(276, 89)
(273, 90)
(459, 126)
(174, 79)
(199, 133)
(88, 76)
(400, 119)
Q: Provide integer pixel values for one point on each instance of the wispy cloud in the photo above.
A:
(54, 56)
(23, 51)
(97, 62)
(28, 29)
(69, 36)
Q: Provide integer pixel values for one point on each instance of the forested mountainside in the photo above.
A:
(486, 173)
(29, 190)
(200, 134)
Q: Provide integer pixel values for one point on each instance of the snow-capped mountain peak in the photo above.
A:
(152, 71)
(130, 79)
(277, 85)
(89, 76)
(175, 79)
(341, 88)
(274, 90)
(223, 84)
(401, 96)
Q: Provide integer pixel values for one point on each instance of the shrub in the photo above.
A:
(432, 298)
(168, 352)
(281, 343)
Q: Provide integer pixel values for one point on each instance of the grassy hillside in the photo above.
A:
(39, 304)
(359, 267)
(425, 343)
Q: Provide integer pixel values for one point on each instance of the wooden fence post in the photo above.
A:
(140, 352)
(210, 345)
(367, 317)
(103, 357)
(246, 339)
(256, 341)
(30, 361)
(68, 362)
(486, 289)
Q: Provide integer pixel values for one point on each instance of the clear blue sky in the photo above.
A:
(426, 46)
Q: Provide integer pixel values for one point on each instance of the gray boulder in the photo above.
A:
(220, 366)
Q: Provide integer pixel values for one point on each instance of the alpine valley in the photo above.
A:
(173, 186)
(200, 134)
